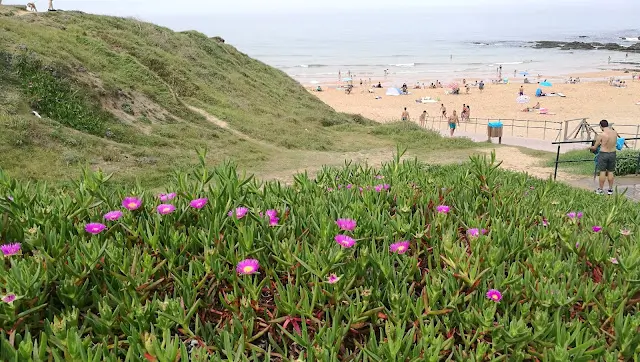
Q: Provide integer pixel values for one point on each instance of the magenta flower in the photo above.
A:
(386, 186)
(574, 215)
(346, 224)
(345, 241)
(198, 203)
(164, 209)
(131, 203)
(333, 279)
(113, 215)
(545, 223)
(494, 295)
(349, 186)
(378, 188)
(94, 228)
(274, 221)
(443, 209)
(400, 247)
(596, 229)
(167, 197)
(271, 213)
(248, 266)
(474, 233)
(10, 249)
(239, 212)
(9, 298)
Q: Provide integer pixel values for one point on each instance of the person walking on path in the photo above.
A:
(443, 109)
(453, 123)
(606, 165)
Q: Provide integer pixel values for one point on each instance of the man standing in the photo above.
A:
(443, 109)
(606, 165)
(405, 115)
(423, 119)
(453, 122)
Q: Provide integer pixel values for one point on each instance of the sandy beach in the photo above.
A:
(594, 100)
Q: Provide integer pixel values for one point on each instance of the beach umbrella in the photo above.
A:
(347, 79)
(523, 99)
(546, 84)
(453, 85)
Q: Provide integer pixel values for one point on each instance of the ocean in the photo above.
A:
(425, 45)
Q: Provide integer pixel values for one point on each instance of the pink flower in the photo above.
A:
(349, 186)
(494, 295)
(545, 223)
(248, 266)
(271, 213)
(167, 197)
(10, 249)
(94, 228)
(9, 298)
(198, 203)
(474, 233)
(378, 188)
(131, 203)
(274, 221)
(164, 209)
(614, 260)
(345, 241)
(329, 189)
(400, 247)
(113, 215)
(346, 224)
(239, 212)
(625, 232)
(596, 229)
(574, 215)
(333, 279)
(379, 177)
(443, 209)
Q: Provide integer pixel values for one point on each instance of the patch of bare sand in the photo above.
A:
(515, 160)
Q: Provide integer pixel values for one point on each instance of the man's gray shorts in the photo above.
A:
(607, 161)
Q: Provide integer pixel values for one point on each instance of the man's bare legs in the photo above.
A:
(606, 176)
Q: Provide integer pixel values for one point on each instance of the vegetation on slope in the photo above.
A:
(561, 272)
(117, 94)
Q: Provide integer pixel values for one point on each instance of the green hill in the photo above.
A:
(136, 98)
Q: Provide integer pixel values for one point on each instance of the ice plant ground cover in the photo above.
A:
(203, 284)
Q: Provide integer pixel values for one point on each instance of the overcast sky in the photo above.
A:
(149, 8)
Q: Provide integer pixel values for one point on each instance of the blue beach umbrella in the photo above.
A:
(347, 79)
(546, 84)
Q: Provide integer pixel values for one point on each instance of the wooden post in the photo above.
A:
(566, 129)
(528, 129)
(544, 130)
(635, 145)
(555, 172)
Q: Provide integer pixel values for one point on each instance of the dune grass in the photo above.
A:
(115, 94)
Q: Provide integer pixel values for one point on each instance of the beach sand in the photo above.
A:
(593, 100)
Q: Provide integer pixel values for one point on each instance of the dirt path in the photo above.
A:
(515, 160)
(224, 125)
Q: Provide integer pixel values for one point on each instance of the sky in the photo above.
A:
(150, 8)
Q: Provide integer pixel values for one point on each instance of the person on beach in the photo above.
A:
(468, 112)
(521, 90)
(453, 122)
(463, 113)
(405, 115)
(443, 109)
(423, 118)
(605, 148)
(481, 85)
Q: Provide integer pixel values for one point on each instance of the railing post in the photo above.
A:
(528, 129)
(638, 165)
(544, 130)
(635, 145)
(555, 171)
(566, 129)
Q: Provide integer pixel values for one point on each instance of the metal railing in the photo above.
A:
(587, 131)
(560, 143)
(549, 128)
